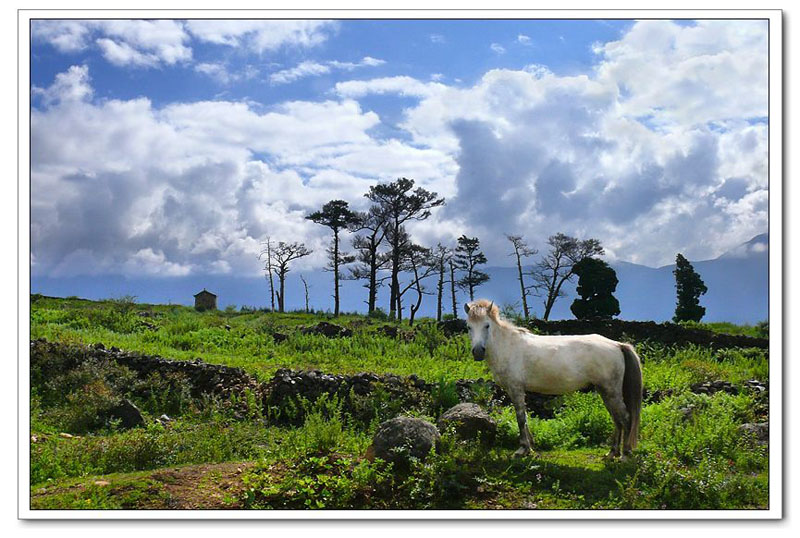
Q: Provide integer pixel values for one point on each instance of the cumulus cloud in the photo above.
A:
(650, 160)
(123, 186)
(138, 43)
(154, 43)
(628, 158)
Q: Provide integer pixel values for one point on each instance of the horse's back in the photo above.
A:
(554, 364)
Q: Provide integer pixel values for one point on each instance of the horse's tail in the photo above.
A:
(632, 391)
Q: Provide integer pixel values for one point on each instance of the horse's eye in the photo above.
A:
(487, 326)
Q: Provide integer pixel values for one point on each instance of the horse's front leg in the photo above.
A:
(525, 435)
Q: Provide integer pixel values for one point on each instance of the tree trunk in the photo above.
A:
(522, 286)
(453, 288)
(269, 272)
(335, 273)
(414, 308)
(305, 286)
(440, 290)
(282, 293)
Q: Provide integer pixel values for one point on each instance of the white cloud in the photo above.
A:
(523, 39)
(400, 85)
(153, 43)
(180, 190)
(497, 48)
(312, 69)
(66, 36)
(122, 54)
(650, 162)
(262, 35)
(139, 43)
(72, 85)
(688, 75)
(437, 38)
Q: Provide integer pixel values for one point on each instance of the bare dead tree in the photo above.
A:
(442, 256)
(452, 265)
(305, 286)
(557, 266)
(521, 250)
(283, 254)
(266, 251)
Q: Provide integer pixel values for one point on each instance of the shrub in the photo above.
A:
(378, 314)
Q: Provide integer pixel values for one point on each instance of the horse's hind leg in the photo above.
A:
(619, 415)
(525, 435)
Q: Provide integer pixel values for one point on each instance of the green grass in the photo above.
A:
(182, 333)
(691, 453)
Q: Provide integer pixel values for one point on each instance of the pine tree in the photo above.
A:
(689, 287)
(337, 216)
(468, 257)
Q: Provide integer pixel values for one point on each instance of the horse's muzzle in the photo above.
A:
(479, 353)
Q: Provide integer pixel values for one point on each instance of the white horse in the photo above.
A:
(520, 361)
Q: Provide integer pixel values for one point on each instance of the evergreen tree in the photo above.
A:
(468, 257)
(689, 287)
(399, 202)
(337, 216)
(597, 282)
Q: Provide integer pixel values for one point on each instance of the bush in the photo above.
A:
(378, 315)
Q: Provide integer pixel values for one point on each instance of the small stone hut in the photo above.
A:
(205, 300)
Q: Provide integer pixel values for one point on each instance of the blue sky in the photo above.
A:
(174, 147)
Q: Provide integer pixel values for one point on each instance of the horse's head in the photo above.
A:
(480, 316)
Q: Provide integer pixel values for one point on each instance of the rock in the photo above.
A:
(687, 412)
(328, 330)
(65, 435)
(387, 330)
(279, 337)
(400, 438)
(164, 418)
(128, 413)
(758, 430)
(469, 422)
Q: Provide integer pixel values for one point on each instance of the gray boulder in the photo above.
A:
(400, 438)
(469, 421)
(128, 413)
(759, 431)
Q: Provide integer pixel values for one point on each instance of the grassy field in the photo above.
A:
(692, 454)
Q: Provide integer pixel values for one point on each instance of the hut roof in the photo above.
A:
(204, 292)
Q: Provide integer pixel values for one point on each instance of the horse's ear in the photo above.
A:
(491, 306)
(466, 308)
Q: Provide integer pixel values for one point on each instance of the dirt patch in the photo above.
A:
(203, 487)
(215, 486)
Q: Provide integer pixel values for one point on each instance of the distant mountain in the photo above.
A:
(738, 289)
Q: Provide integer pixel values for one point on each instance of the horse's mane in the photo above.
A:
(485, 307)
